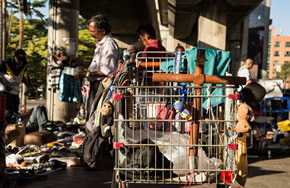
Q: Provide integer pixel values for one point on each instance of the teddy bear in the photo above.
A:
(107, 118)
(244, 115)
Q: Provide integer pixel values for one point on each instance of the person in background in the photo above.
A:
(244, 71)
(147, 35)
(130, 53)
(12, 73)
(179, 49)
(105, 59)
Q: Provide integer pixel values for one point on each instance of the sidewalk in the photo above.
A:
(78, 177)
(33, 102)
(73, 177)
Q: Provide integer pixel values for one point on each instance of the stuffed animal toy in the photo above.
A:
(245, 114)
(107, 118)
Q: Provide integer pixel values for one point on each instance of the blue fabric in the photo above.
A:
(68, 88)
(217, 64)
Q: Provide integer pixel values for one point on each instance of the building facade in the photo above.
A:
(279, 48)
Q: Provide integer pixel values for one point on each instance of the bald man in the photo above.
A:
(244, 71)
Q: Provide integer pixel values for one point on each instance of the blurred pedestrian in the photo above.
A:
(244, 71)
(12, 73)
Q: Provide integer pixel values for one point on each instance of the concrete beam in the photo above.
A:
(163, 5)
(212, 28)
(171, 16)
(243, 2)
(182, 17)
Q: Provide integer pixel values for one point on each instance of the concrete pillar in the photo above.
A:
(167, 33)
(152, 9)
(234, 46)
(62, 34)
(1, 30)
(4, 41)
(212, 30)
(263, 71)
(244, 47)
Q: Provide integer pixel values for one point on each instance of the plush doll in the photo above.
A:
(107, 118)
(245, 114)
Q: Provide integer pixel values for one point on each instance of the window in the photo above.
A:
(277, 44)
(276, 53)
(287, 54)
(287, 44)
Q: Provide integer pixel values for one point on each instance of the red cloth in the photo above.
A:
(155, 45)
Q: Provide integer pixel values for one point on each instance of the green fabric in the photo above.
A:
(217, 64)
(168, 66)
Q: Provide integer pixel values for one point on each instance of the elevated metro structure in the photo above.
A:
(216, 24)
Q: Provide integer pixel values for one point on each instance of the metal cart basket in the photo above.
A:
(167, 133)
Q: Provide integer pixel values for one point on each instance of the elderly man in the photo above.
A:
(105, 59)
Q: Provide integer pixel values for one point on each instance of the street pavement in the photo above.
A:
(33, 102)
(262, 172)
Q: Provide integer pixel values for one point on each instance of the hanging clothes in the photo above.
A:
(217, 64)
(69, 88)
(54, 71)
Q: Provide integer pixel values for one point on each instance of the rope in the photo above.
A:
(189, 180)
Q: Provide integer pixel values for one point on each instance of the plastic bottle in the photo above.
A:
(19, 121)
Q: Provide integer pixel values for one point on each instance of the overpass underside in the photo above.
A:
(204, 23)
(216, 24)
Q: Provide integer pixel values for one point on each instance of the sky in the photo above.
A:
(43, 10)
(280, 15)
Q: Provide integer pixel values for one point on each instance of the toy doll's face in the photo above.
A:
(106, 109)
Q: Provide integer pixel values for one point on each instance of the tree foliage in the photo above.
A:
(35, 45)
(35, 42)
(285, 71)
(87, 45)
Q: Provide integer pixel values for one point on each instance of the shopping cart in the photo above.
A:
(170, 131)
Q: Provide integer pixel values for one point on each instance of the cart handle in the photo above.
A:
(198, 79)
(149, 64)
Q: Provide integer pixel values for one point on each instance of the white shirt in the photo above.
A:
(105, 57)
(244, 72)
